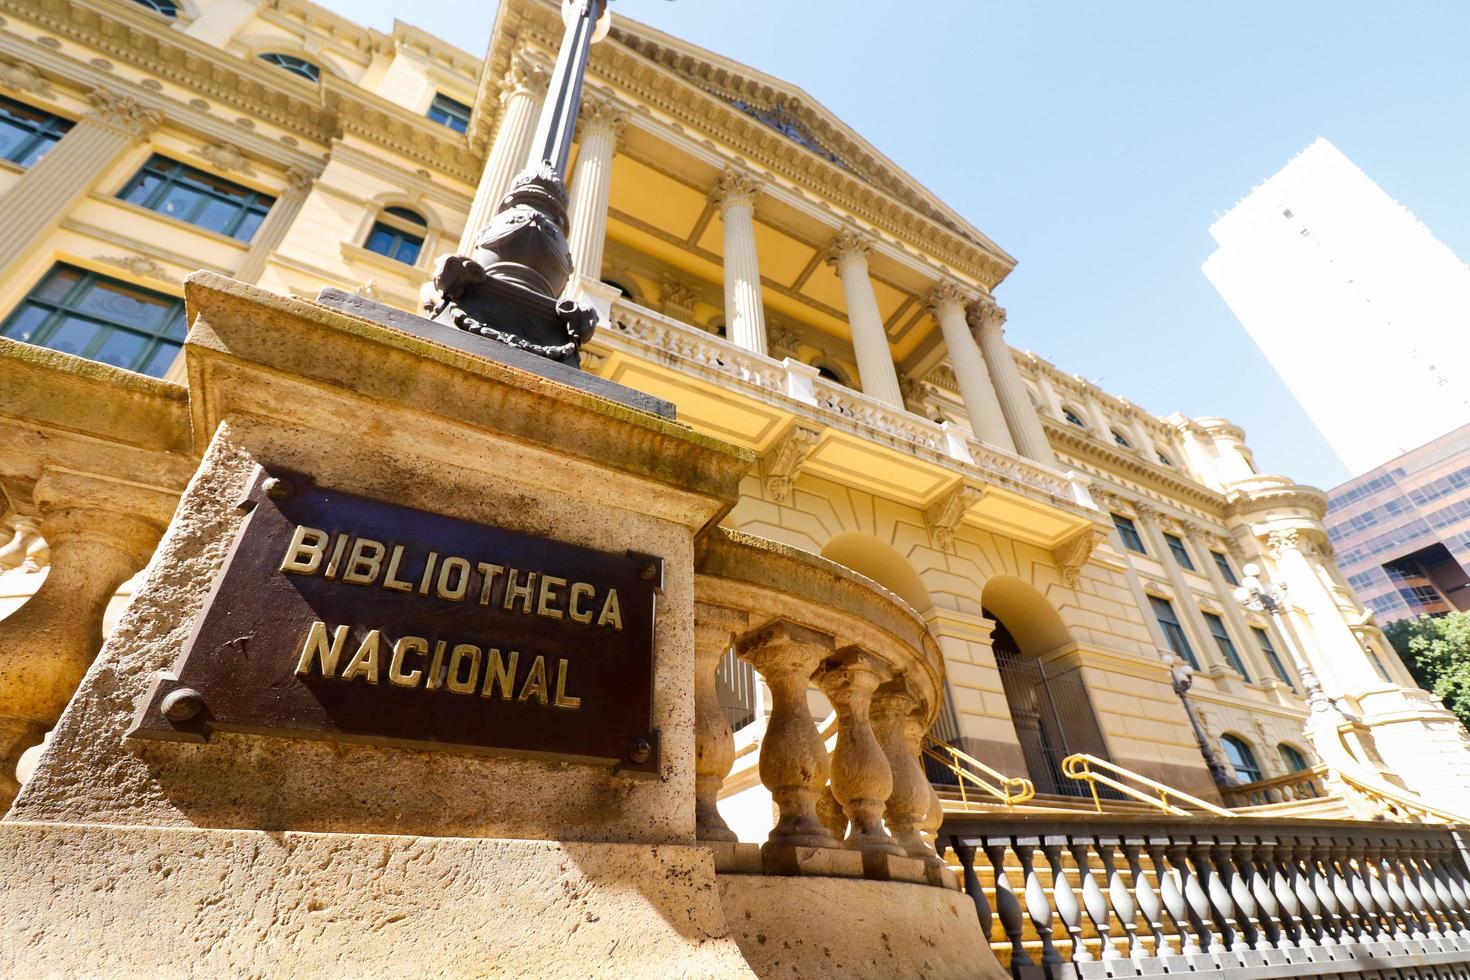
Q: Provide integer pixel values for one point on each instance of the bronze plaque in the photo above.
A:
(337, 616)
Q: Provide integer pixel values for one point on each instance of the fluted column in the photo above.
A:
(521, 93)
(714, 742)
(849, 253)
(793, 763)
(988, 319)
(947, 302)
(38, 202)
(745, 314)
(602, 129)
(1336, 657)
(48, 643)
(861, 779)
(277, 223)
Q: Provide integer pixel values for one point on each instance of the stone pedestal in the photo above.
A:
(258, 854)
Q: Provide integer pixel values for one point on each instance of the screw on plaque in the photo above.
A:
(276, 488)
(649, 573)
(181, 705)
(640, 750)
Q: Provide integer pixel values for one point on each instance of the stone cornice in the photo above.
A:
(1245, 503)
(376, 119)
(1072, 384)
(1112, 460)
(436, 50)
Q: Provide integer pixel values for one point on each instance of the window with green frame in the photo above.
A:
(1128, 531)
(103, 319)
(26, 133)
(180, 191)
(1227, 648)
(1223, 564)
(1180, 553)
(1293, 758)
(399, 234)
(1273, 659)
(1242, 758)
(450, 112)
(1173, 632)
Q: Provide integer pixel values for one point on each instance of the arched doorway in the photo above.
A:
(1049, 704)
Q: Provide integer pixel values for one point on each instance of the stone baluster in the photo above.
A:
(1334, 916)
(745, 316)
(1356, 919)
(908, 804)
(48, 643)
(1066, 899)
(965, 853)
(1217, 905)
(861, 778)
(1409, 927)
(1444, 869)
(915, 727)
(1435, 897)
(46, 193)
(1234, 860)
(1304, 884)
(1171, 887)
(829, 811)
(1196, 900)
(1381, 902)
(521, 93)
(1418, 900)
(793, 762)
(17, 552)
(1148, 898)
(1354, 865)
(876, 373)
(714, 741)
(1038, 907)
(602, 129)
(1007, 906)
(1262, 874)
(1121, 899)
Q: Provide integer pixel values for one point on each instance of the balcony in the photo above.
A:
(798, 421)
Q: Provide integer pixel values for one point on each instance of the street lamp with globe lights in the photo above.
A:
(1257, 594)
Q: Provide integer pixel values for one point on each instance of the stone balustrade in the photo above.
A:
(1307, 784)
(857, 805)
(639, 332)
(1118, 896)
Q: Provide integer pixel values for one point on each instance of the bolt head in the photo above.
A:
(276, 488)
(640, 750)
(181, 705)
(649, 573)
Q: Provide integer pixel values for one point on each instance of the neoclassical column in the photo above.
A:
(947, 302)
(1193, 621)
(602, 129)
(745, 314)
(521, 94)
(879, 379)
(988, 319)
(37, 202)
(277, 223)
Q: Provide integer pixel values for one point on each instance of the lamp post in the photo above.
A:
(1257, 594)
(509, 288)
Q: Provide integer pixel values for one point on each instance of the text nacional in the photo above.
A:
(421, 662)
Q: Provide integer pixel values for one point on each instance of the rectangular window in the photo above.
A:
(1227, 649)
(1173, 632)
(107, 320)
(455, 115)
(1226, 572)
(1180, 553)
(1263, 640)
(184, 192)
(26, 133)
(1129, 533)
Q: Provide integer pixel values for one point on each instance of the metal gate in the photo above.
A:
(1052, 713)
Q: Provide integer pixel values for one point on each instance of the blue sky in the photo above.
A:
(1097, 141)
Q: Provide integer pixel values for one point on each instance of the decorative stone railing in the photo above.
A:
(24, 550)
(1308, 784)
(863, 808)
(643, 333)
(1093, 897)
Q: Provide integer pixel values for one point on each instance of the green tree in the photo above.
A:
(1437, 651)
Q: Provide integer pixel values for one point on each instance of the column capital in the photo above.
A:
(122, 112)
(1194, 532)
(734, 187)
(602, 116)
(1284, 539)
(947, 293)
(524, 77)
(299, 180)
(1146, 512)
(849, 243)
(985, 315)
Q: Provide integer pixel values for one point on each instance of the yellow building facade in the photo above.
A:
(792, 292)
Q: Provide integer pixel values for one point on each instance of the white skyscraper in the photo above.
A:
(1361, 310)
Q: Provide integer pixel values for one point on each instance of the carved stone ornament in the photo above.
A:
(522, 262)
(602, 117)
(369, 290)
(524, 76)
(985, 314)
(676, 293)
(849, 243)
(226, 157)
(21, 77)
(781, 338)
(299, 180)
(947, 294)
(945, 515)
(1282, 541)
(138, 265)
(784, 461)
(1072, 556)
(734, 187)
(914, 392)
(123, 112)
(942, 375)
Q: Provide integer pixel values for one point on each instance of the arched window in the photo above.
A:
(1293, 758)
(1121, 439)
(1073, 417)
(399, 234)
(166, 7)
(1165, 460)
(293, 64)
(1241, 757)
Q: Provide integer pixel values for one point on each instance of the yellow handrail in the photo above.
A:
(1010, 790)
(1080, 766)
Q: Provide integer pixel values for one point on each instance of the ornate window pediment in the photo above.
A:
(780, 118)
